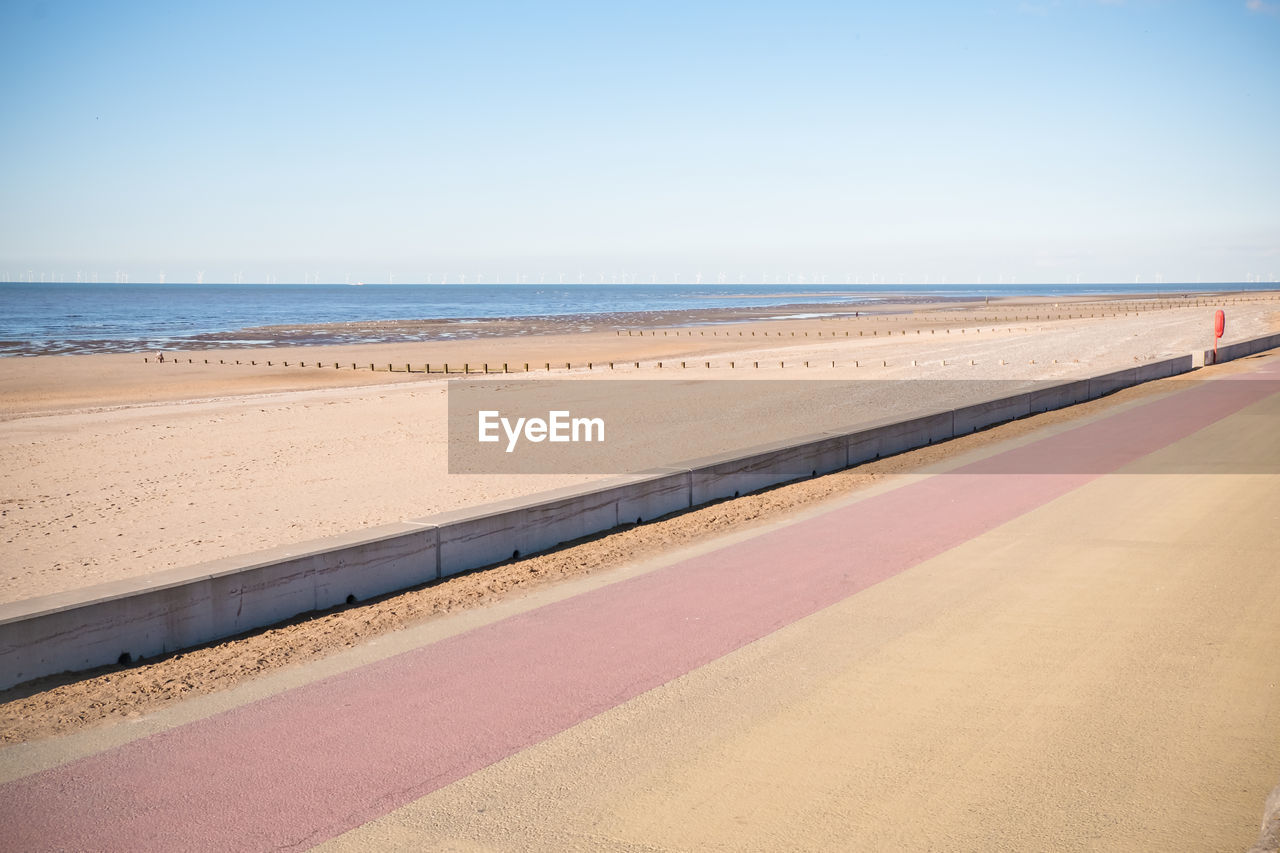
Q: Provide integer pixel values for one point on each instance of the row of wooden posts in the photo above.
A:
(487, 370)
(912, 318)
(861, 333)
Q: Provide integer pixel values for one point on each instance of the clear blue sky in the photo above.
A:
(923, 140)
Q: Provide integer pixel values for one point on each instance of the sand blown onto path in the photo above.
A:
(114, 467)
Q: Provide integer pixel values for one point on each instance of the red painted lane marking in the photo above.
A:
(298, 768)
(1090, 450)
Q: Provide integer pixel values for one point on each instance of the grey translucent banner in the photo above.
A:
(506, 425)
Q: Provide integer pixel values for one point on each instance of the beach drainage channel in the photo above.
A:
(193, 605)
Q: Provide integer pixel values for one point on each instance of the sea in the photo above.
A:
(38, 318)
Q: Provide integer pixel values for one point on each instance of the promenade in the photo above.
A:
(1066, 641)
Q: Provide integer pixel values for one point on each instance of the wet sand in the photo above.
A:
(466, 328)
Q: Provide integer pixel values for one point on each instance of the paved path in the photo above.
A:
(1068, 644)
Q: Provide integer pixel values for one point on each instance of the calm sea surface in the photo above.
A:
(52, 317)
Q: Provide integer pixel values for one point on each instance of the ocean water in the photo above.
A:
(70, 317)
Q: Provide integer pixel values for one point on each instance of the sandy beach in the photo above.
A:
(115, 466)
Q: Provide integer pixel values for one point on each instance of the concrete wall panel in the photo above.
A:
(1059, 396)
(890, 437)
(197, 604)
(1164, 368)
(1100, 386)
(1241, 349)
(665, 492)
(715, 477)
(491, 533)
(976, 416)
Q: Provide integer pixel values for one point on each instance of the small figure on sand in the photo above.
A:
(161, 359)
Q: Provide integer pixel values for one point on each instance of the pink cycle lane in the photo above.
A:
(303, 766)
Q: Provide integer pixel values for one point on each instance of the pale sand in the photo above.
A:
(117, 468)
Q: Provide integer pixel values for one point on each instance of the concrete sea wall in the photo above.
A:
(180, 608)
